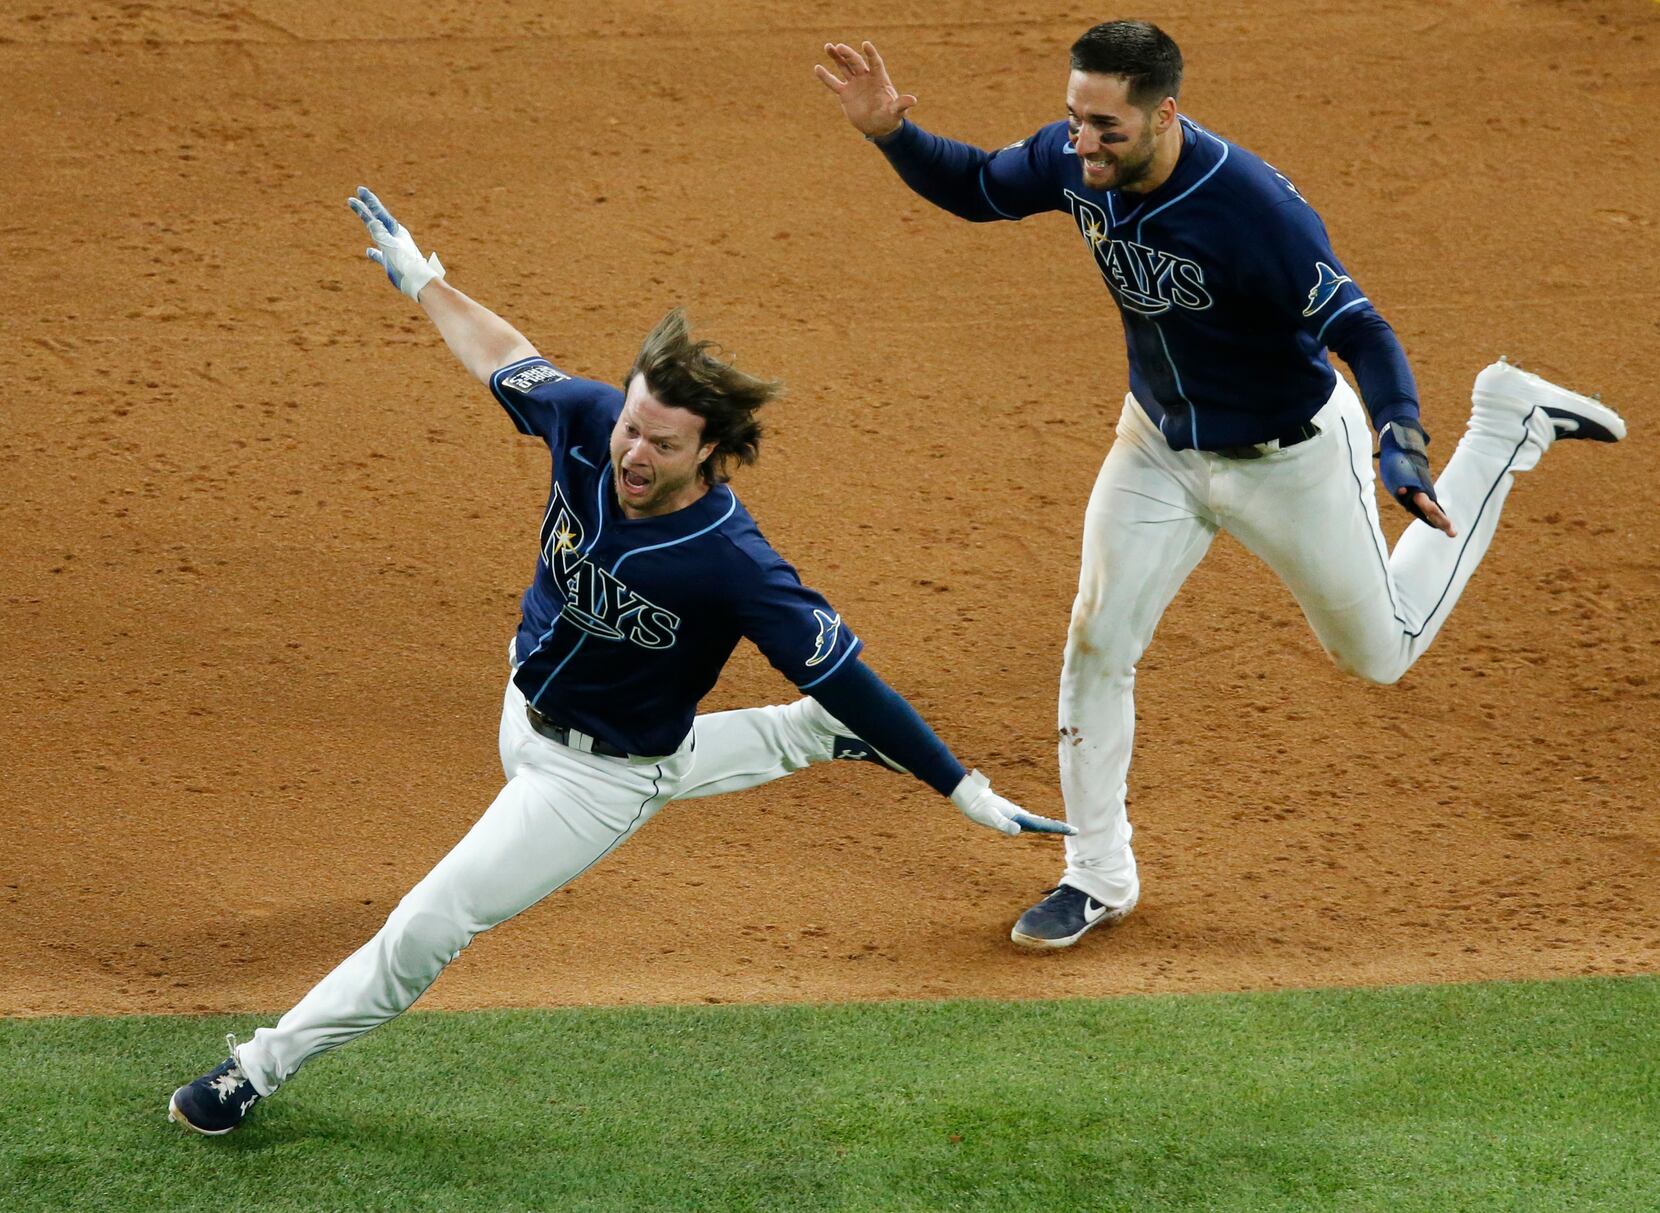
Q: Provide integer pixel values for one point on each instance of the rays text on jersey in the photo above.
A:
(1143, 279)
(597, 602)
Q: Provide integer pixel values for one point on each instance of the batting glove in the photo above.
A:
(1403, 463)
(985, 807)
(394, 250)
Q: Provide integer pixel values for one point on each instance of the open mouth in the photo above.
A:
(632, 483)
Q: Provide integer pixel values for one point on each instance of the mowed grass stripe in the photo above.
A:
(1538, 1096)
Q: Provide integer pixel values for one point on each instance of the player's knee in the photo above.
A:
(1094, 642)
(1381, 669)
(420, 940)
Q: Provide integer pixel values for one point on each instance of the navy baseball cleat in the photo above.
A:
(217, 1101)
(1571, 415)
(1061, 918)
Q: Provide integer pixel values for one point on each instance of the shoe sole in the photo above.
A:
(179, 1117)
(1036, 943)
(1599, 422)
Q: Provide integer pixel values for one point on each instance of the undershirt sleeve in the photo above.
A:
(880, 715)
(1365, 341)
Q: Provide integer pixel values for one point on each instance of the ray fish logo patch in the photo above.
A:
(1326, 285)
(829, 627)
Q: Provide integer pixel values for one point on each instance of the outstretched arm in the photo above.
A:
(482, 340)
(881, 717)
(968, 181)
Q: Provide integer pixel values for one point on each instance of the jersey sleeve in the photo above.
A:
(535, 393)
(799, 632)
(971, 183)
(1296, 271)
(1021, 179)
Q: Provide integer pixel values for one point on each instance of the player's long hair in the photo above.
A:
(683, 373)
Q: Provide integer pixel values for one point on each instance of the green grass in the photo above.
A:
(1516, 1097)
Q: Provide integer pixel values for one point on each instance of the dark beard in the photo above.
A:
(1128, 176)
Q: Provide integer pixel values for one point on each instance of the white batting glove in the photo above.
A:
(985, 807)
(394, 250)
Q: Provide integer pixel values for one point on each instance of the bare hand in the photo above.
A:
(1432, 512)
(868, 97)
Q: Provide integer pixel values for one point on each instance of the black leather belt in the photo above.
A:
(561, 734)
(1302, 433)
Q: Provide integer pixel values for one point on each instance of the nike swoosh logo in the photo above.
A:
(1093, 910)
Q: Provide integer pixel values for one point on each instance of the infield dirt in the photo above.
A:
(263, 539)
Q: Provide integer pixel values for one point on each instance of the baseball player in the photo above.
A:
(648, 573)
(1230, 296)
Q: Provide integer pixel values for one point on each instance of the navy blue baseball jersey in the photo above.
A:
(628, 621)
(1225, 278)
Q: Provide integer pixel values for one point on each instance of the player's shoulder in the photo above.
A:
(747, 551)
(1246, 177)
(537, 394)
(740, 534)
(1042, 145)
(536, 375)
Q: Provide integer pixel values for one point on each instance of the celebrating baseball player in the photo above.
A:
(1230, 295)
(649, 573)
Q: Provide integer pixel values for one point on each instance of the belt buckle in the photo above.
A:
(540, 724)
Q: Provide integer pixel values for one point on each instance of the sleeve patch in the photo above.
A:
(829, 626)
(1327, 282)
(530, 376)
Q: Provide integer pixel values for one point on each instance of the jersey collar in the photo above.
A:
(682, 522)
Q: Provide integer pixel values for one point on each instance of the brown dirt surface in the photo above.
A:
(261, 540)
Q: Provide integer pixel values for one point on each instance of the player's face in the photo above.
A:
(656, 450)
(1116, 140)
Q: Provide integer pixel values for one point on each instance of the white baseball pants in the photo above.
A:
(1310, 512)
(561, 812)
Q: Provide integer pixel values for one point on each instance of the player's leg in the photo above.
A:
(1145, 529)
(560, 813)
(1311, 514)
(751, 746)
(1514, 418)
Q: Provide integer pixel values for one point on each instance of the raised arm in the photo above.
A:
(968, 181)
(482, 340)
